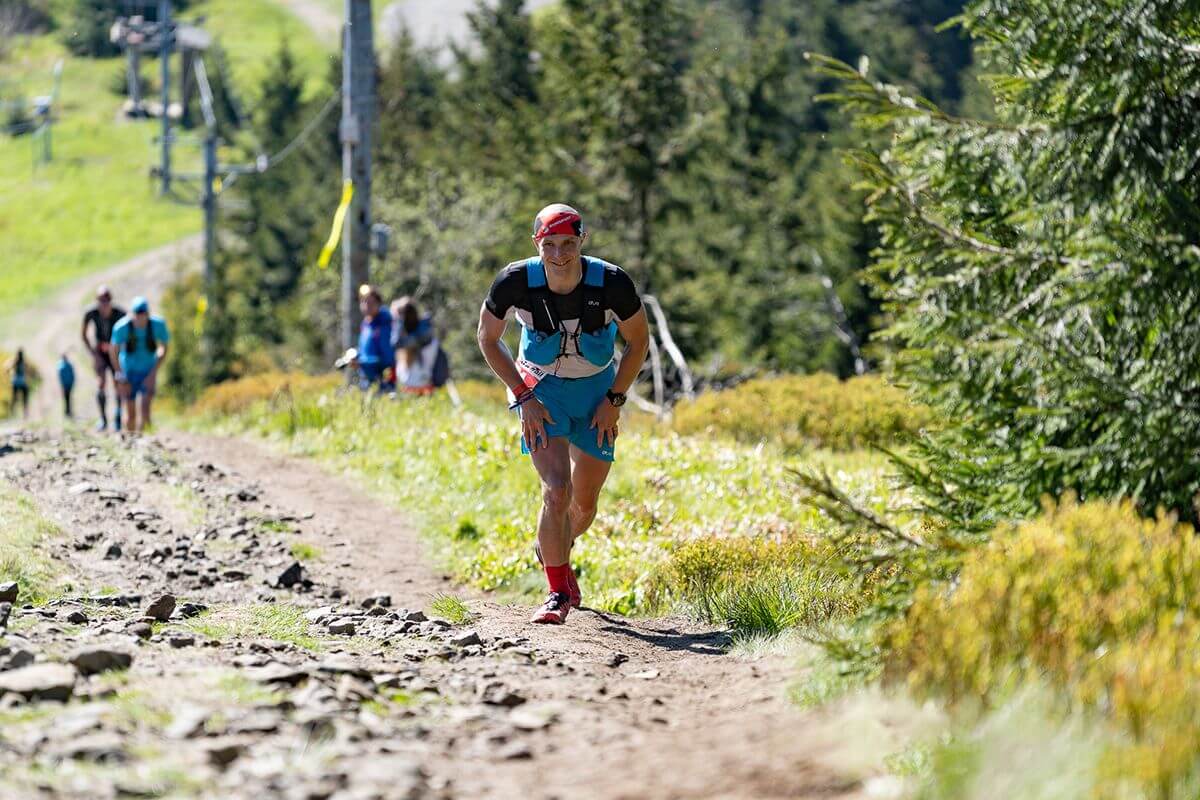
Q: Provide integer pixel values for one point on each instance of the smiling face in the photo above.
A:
(560, 251)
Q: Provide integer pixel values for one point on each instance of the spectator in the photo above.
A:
(376, 358)
(66, 379)
(20, 385)
(422, 365)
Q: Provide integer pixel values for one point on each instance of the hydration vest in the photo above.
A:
(548, 340)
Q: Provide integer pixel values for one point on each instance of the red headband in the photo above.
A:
(566, 223)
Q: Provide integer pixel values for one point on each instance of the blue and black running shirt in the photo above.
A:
(509, 297)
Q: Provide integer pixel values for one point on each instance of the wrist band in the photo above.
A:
(521, 399)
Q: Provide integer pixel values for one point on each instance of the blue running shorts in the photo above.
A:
(571, 403)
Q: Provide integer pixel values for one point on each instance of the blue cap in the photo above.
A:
(140, 305)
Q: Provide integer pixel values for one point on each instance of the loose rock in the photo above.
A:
(162, 608)
(290, 576)
(142, 630)
(49, 681)
(77, 617)
(9, 592)
(94, 660)
(112, 551)
(5, 611)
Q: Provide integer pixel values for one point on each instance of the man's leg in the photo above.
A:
(553, 465)
(100, 367)
(146, 397)
(588, 475)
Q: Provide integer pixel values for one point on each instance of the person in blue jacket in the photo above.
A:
(376, 358)
(66, 380)
(139, 346)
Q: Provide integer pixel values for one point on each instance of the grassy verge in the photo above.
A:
(94, 203)
(459, 474)
(25, 536)
(276, 621)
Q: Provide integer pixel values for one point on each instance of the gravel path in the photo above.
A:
(230, 703)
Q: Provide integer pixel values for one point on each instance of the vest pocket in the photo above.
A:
(540, 348)
(598, 347)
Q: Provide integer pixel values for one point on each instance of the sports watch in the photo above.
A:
(616, 398)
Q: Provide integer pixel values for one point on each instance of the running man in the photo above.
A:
(139, 346)
(103, 317)
(563, 383)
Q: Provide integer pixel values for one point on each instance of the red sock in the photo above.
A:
(558, 577)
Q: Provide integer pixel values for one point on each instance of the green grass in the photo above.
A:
(279, 622)
(24, 544)
(451, 609)
(459, 474)
(94, 204)
(301, 551)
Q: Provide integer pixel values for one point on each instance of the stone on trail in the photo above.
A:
(465, 639)
(5, 611)
(49, 681)
(9, 591)
(188, 722)
(290, 576)
(112, 551)
(142, 630)
(162, 608)
(378, 600)
(14, 658)
(83, 487)
(188, 610)
(179, 640)
(94, 660)
(342, 627)
(224, 751)
(277, 673)
(102, 747)
(415, 616)
(77, 617)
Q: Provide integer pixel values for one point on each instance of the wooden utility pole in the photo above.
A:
(358, 118)
(164, 56)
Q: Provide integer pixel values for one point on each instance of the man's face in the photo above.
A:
(104, 301)
(141, 319)
(559, 249)
(368, 305)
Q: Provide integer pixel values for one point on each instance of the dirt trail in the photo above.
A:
(51, 326)
(604, 707)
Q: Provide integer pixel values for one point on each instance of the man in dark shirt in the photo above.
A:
(102, 318)
(564, 382)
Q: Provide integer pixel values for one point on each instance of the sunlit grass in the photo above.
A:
(451, 609)
(25, 537)
(279, 622)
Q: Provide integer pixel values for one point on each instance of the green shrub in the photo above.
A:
(799, 411)
(757, 587)
(1091, 598)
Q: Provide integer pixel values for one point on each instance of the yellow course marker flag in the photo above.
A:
(201, 310)
(338, 219)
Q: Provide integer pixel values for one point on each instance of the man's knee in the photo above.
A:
(556, 496)
(584, 507)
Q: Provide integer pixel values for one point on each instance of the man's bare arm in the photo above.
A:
(636, 333)
(491, 329)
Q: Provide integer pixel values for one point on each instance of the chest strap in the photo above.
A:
(545, 319)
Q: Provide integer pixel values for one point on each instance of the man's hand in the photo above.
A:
(534, 417)
(605, 422)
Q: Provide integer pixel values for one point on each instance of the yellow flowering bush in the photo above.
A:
(798, 411)
(1094, 599)
(233, 397)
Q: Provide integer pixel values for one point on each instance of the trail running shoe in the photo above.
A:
(572, 585)
(554, 611)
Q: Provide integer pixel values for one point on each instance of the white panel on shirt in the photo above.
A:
(571, 365)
